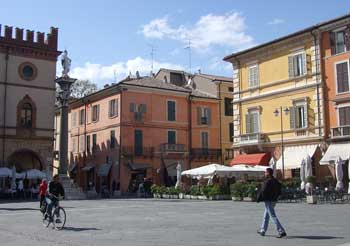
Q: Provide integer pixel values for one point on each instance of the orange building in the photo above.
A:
(141, 128)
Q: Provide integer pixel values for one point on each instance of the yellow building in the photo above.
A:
(281, 75)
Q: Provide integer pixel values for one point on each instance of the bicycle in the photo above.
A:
(57, 217)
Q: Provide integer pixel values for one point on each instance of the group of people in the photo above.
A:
(49, 194)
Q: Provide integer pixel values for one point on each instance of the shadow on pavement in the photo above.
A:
(19, 209)
(314, 237)
(80, 229)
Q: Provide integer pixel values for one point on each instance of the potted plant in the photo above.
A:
(311, 198)
(155, 191)
(250, 192)
(195, 192)
(237, 191)
(164, 192)
(174, 192)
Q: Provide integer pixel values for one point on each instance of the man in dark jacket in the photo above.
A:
(269, 193)
(55, 191)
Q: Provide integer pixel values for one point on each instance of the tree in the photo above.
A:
(82, 88)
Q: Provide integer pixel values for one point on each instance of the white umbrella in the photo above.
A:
(13, 180)
(35, 174)
(339, 174)
(178, 175)
(272, 165)
(209, 171)
(302, 174)
(308, 172)
(5, 172)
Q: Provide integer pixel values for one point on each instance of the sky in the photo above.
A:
(107, 40)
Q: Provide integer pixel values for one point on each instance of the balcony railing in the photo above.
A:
(341, 131)
(131, 151)
(203, 153)
(251, 138)
(172, 147)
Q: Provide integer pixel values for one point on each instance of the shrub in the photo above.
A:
(329, 181)
(311, 180)
(238, 189)
(155, 189)
(251, 190)
(173, 191)
(195, 190)
(163, 190)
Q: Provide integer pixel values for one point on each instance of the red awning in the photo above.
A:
(261, 159)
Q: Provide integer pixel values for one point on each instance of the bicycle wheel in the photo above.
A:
(46, 220)
(59, 218)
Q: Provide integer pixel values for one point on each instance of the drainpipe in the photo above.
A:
(190, 129)
(120, 137)
(317, 84)
(5, 102)
(220, 121)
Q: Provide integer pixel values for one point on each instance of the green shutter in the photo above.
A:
(304, 64)
(255, 121)
(291, 66)
(116, 110)
(292, 117)
(306, 120)
(347, 38)
(199, 115)
(247, 123)
(132, 107)
(332, 42)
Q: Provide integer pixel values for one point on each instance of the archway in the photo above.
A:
(25, 159)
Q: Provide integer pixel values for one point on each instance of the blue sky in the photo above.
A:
(110, 38)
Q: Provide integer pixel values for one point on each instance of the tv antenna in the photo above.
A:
(152, 56)
(188, 47)
(115, 76)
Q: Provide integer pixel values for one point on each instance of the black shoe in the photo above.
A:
(261, 233)
(283, 234)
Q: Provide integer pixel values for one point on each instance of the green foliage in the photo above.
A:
(195, 190)
(291, 183)
(173, 191)
(163, 190)
(251, 190)
(238, 189)
(311, 180)
(329, 180)
(155, 189)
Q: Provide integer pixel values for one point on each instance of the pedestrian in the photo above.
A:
(269, 193)
(42, 191)
(20, 189)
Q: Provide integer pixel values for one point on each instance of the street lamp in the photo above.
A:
(276, 113)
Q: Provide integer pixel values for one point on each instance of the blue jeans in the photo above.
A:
(50, 204)
(270, 212)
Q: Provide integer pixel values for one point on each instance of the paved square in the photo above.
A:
(173, 222)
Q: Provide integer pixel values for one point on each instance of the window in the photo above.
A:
(27, 71)
(253, 121)
(26, 115)
(82, 117)
(81, 144)
(230, 89)
(94, 142)
(297, 65)
(74, 145)
(138, 147)
(177, 79)
(228, 107)
(139, 110)
(74, 119)
(112, 140)
(95, 113)
(342, 76)
(231, 131)
(339, 41)
(299, 115)
(204, 116)
(205, 140)
(171, 110)
(171, 137)
(253, 75)
(113, 108)
(344, 116)
(88, 143)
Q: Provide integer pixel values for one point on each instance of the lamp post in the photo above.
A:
(276, 113)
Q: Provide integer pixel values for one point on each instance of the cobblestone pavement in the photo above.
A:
(173, 222)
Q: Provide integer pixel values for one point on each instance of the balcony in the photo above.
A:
(203, 153)
(145, 152)
(172, 148)
(251, 138)
(341, 131)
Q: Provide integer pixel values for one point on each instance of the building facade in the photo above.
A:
(141, 128)
(27, 97)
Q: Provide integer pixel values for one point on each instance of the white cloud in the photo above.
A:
(276, 21)
(101, 74)
(210, 30)
(218, 65)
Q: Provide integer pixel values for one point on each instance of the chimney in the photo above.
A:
(8, 32)
(106, 85)
(40, 37)
(137, 74)
(29, 36)
(19, 34)
(199, 71)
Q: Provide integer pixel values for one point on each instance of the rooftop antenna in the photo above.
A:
(115, 76)
(152, 56)
(189, 53)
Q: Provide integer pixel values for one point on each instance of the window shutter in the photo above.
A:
(255, 118)
(345, 77)
(247, 123)
(199, 115)
(132, 107)
(292, 117)
(332, 42)
(257, 76)
(347, 38)
(304, 64)
(142, 108)
(306, 114)
(209, 117)
(116, 107)
(291, 66)
(98, 113)
(308, 64)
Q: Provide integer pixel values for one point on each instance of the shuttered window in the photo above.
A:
(74, 119)
(204, 116)
(231, 131)
(297, 65)
(171, 110)
(113, 108)
(138, 147)
(95, 113)
(342, 77)
(94, 142)
(253, 74)
(171, 137)
(228, 107)
(112, 140)
(299, 116)
(81, 143)
(205, 140)
(88, 143)
(344, 116)
(82, 116)
(252, 121)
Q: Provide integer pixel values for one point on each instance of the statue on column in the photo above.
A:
(66, 62)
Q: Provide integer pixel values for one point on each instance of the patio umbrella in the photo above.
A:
(272, 164)
(308, 172)
(13, 180)
(339, 174)
(5, 172)
(302, 174)
(178, 175)
(35, 174)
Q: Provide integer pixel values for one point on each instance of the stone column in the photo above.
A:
(65, 84)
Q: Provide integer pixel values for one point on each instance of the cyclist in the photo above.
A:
(55, 190)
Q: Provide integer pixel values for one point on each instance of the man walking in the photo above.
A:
(269, 193)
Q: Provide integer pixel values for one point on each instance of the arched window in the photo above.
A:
(26, 115)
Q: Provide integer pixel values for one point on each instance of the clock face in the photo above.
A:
(27, 71)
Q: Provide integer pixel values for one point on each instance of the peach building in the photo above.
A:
(141, 128)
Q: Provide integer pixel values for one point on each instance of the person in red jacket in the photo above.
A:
(42, 191)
